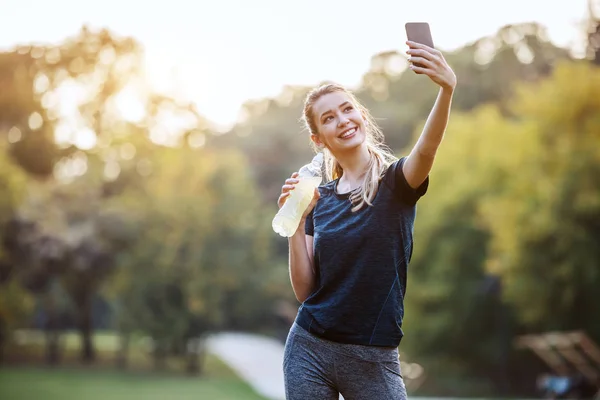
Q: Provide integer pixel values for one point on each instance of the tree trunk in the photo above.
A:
(3, 340)
(594, 32)
(51, 330)
(52, 347)
(595, 41)
(123, 350)
(195, 356)
(88, 353)
(160, 355)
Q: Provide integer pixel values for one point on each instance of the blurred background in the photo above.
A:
(143, 147)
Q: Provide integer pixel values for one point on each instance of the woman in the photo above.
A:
(349, 257)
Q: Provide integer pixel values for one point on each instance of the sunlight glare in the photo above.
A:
(112, 169)
(129, 105)
(62, 134)
(53, 56)
(41, 83)
(524, 53)
(49, 101)
(69, 168)
(170, 125)
(79, 164)
(70, 95)
(196, 140)
(485, 51)
(107, 56)
(35, 121)
(85, 139)
(127, 151)
(14, 135)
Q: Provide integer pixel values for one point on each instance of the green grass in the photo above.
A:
(26, 383)
(29, 345)
(30, 379)
(104, 341)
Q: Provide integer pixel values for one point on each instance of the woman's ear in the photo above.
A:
(317, 141)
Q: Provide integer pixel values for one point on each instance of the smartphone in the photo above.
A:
(419, 32)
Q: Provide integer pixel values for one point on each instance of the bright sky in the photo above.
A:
(220, 53)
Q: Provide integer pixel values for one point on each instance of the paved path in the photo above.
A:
(256, 359)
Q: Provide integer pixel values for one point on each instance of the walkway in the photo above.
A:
(256, 359)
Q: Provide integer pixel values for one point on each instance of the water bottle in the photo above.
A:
(288, 218)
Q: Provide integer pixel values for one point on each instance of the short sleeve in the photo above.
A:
(309, 226)
(400, 186)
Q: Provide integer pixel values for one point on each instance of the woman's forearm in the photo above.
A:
(302, 274)
(436, 123)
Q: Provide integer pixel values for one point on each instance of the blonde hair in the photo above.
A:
(381, 156)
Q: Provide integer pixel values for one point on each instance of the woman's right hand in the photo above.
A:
(286, 190)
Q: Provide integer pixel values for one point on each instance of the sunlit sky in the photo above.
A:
(220, 53)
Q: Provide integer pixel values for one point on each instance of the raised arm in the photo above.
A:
(431, 63)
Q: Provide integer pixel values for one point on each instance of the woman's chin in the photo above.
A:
(351, 144)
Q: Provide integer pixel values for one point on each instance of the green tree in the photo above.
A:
(546, 223)
(200, 247)
(15, 304)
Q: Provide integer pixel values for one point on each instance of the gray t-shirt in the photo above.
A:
(361, 259)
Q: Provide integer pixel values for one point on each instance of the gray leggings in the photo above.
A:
(318, 369)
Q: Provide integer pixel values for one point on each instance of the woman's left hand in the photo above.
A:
(431, 63)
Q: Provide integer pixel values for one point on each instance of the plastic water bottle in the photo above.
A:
(288, 218)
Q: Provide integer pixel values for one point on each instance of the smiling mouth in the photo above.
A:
(348, 133)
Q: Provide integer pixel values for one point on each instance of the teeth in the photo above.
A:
(350, 132)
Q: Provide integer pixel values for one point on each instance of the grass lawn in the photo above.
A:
(28, 383)
(28, 378)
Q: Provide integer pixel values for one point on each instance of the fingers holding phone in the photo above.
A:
(424, 58)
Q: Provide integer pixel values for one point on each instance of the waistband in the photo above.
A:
(306, 321)
(363, 352)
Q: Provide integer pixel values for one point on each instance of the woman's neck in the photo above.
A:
(354, 164)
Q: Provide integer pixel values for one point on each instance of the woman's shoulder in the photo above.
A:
(392, 166)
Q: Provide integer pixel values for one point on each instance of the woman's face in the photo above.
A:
(340, 125)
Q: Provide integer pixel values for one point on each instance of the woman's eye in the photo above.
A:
(349, 108)
(327, 119)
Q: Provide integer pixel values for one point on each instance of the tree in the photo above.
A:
(23, 119)
(15, 304)
(104, 74)
(593, 31)
(199, 240)
(546, 222)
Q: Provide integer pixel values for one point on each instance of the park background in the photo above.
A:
(143, 147)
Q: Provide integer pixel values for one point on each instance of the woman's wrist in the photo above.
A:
(301, 226)
(447, 90)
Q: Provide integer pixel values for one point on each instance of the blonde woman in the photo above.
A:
(348, 259)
